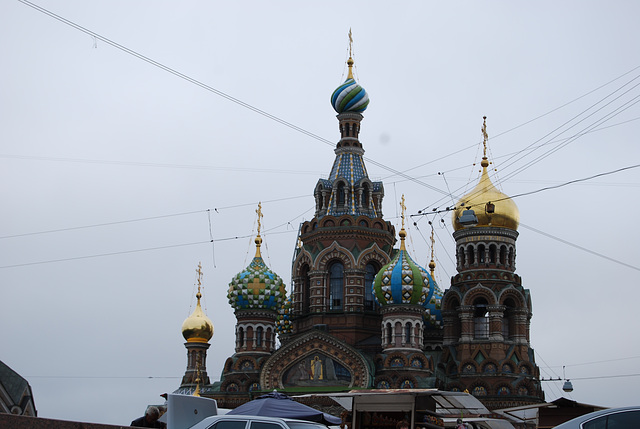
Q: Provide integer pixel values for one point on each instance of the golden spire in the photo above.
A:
(199, 271)
(350, 60)
(485, 138)
(432, 264)
(258, 240)
(402, 233)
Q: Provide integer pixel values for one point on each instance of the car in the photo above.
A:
(610, 418)
(254, 422)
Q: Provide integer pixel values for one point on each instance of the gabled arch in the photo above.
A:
(452, 300)
(373, 253)
(515, 295)
(280, 365)
(479, 291)
(334, 252)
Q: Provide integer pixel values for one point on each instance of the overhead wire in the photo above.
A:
(277, 119)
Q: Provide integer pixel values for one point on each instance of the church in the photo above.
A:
(362, 314)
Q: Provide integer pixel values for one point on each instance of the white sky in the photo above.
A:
(91, 135)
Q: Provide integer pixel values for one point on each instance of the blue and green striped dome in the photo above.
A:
(433, 307)
(350, 97)
(402, 281)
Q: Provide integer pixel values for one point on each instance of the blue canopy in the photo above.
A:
(276, 404)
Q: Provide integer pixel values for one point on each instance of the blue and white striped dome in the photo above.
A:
(350, 97)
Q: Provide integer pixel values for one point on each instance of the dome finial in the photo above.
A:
(432, 264)
(197, 327)
(258, 240)
(485, 138)
(350, 60)
(402, 232)
(199, 271)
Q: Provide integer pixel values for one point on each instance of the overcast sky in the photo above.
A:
(116, 174)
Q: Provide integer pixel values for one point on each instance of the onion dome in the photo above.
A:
(350, 97)
(197, 328)
(402, 281)
(283, 321)
(433, 307)
(257, 287)
(490, 206)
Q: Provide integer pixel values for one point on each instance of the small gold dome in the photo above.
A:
(491, 207)
(197, 327)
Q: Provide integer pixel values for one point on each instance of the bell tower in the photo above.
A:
(346, 243)
(487, 312)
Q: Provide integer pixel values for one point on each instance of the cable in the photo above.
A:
(579, 247)
(101, 224)
(159, 165)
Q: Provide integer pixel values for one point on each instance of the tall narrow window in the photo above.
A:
(336, 286)
(341, 196)
(241, 337)
(481, 254)
(369, 276)
(259, 334)
(480, 319)
(407, 333)
(306, 289)
(470, 254)
(365, 196)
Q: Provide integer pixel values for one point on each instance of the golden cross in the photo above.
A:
(403, 210)
(485, 136)
(199, 271)
(433, 242)
(259, 212)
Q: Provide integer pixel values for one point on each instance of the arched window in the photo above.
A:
(341, 196)
(241, 337)
(336, 286)
(492, 254)
(481, 254)
(365, 196)
(461, 254)
(407, 333)
(503, 255)
(319, 199)
(470, 254)
(480, 319)
(507, 318)
(511, 257)
(306, 289)
(369, 276)
(389, 334)
(259, 333)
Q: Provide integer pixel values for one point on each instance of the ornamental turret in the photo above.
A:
(487, 312)
(256, 295)
(197, 329)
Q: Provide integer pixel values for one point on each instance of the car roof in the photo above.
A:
(209, 420)
(586, 417)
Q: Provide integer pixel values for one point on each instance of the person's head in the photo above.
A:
(152, 414)
(402, 424)
(459, 421)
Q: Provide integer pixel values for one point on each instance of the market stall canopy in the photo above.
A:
(276, 404)
(446, 403)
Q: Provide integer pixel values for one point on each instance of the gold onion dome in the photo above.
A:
(197, 328)
(490, 206)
